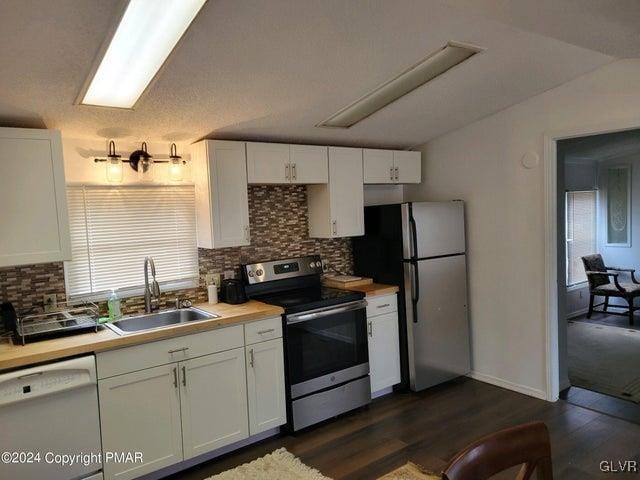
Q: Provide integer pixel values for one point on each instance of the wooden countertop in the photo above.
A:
(374, 289)
(12, 356)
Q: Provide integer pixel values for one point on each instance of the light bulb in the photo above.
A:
(175, 170)
(114, 170)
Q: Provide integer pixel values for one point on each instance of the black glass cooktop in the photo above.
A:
(299, 300)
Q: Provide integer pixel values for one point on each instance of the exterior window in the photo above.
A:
(581, 233)
(114, 228)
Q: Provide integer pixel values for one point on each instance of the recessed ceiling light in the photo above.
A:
(144, 38)
(434, 65)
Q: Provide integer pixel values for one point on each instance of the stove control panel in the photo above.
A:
(279, 269)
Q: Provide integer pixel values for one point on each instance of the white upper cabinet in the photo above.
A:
(337, 208)
(222, 203)
(34, 225)
(408, 166)
(391, 166)
(268, 163)
(276, 163)
(378, 166)
(309, 164)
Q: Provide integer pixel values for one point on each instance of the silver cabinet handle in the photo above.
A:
(294, 174)
(184, 375)
(370, 330)
(183, 349)
(391, 174)
(397, 173)
(334, 227)
(251, 358)
(287, 173)
(269, 330)
(384, 305)
(247, 233)
(175, 377)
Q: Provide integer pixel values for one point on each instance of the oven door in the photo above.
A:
(326, 347)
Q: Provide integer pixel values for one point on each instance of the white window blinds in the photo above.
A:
(114, 228)
(581, 233)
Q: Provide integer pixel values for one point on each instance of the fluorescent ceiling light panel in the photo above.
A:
(146, 35)
(434, 65)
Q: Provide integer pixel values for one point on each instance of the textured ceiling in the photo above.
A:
(598, 148)
(273, 69)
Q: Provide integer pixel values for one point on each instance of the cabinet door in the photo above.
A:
(346, 191)
(140, 412)
(213, 394)
(408, 166)
(378, 166)
(309, 164)
(384, 351)
(34, 226)
(229, 194)
(268, 163)
(265, 385)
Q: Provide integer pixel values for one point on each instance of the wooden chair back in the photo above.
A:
(527, 445)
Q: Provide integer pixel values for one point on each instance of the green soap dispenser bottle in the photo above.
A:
(113, 305)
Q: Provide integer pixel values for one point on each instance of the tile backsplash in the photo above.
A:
(279, 229)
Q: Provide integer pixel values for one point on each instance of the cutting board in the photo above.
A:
(346, 281)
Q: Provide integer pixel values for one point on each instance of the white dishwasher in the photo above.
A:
(49, 422)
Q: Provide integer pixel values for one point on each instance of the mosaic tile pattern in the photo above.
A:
(279, 229)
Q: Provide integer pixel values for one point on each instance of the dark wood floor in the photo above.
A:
(608, 404)
(611, 320)
(429, 427)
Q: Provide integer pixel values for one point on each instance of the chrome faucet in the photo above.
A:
(151, 292)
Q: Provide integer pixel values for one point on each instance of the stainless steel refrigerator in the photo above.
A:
(421, 248)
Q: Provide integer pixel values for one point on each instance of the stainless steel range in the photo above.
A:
(326, 353)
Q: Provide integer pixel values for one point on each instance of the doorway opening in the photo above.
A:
(598, 246)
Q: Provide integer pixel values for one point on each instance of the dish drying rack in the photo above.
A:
(65, 319)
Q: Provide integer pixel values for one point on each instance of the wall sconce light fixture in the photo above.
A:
(175, 164)
(114, 165)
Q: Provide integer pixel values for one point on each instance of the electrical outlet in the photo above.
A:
(325, 266)
(212, 279)
(229, 274)
(50, 302)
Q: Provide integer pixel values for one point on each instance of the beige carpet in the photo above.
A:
(282, 465)
(605, 359)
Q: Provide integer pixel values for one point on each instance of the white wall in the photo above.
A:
(383, 194)
(480, 164)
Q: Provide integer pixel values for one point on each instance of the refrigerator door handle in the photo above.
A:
(413, 245)
(415, 289)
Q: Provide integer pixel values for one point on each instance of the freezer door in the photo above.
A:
(438, 334)
(432, 229)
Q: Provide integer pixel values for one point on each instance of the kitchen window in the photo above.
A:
(580, 232)
(114, 228)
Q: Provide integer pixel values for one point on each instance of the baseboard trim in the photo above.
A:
(577, 313)
(516, 387)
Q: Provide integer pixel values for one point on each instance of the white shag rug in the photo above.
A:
(277, 465)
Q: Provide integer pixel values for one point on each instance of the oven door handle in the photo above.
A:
(325, 312)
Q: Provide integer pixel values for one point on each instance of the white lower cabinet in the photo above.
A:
(140, 412)
(213, 401)
(265, 385)
(220, 391)
(384, 343)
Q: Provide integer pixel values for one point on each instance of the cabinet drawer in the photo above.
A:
(263, 330)
(130, 359)
(381, 305)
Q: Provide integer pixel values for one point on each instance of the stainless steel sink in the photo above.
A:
(154, 321)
